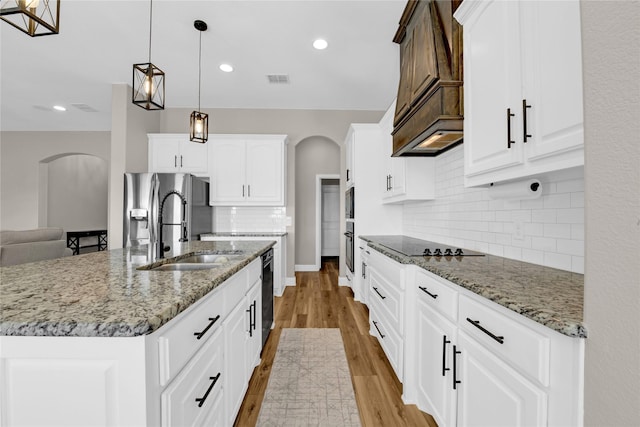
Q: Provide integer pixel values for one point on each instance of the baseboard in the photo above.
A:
(307, 267)
(290, 281)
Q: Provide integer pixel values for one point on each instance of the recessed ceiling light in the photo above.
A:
(226, 68)
(320, 44)
(59, 108)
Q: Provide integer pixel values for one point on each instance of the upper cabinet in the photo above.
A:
(247, 170)
(171, 153)
(428, 114)
(523, 91)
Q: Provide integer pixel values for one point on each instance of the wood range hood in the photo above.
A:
(429, 108)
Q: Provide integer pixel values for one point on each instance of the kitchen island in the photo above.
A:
(99, 339)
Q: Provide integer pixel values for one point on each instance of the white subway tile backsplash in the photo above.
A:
(250, 219)
(552, 225)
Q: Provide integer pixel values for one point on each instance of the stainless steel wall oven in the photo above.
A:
(350, 242)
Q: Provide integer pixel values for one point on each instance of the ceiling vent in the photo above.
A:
(84, 107)
(278, 78)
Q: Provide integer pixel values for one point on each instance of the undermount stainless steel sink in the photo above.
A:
(198, 261)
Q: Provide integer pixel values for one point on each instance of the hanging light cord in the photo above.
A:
(150, 21)
(199, 68)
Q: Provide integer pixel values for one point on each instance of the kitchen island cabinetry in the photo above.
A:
(106, 370)
(248, 170)
(174, 153)
(523, 117)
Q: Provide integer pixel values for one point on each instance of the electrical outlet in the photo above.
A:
(518, 230)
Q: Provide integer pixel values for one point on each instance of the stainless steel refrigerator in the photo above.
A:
(183, 198)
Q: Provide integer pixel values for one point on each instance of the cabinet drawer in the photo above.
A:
(390, 270)
(179, 342)
(388, 297)
(436, 294)
(525, 349)
(189, 400)
(389, 340)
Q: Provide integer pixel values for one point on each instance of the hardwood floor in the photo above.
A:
(318, 302)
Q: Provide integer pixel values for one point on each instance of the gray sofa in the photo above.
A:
(19, 247)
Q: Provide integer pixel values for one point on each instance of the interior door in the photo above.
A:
(330, 221)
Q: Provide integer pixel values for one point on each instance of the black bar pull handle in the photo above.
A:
(445, 341)
(201, 400)
(175, 161)
(509, 115)
(525, 135)
(249, 190)
(377, 292)
(250, 311)
(476, 323)
(181, 160)
(242, 190)
(455, 372)
(212, 321)
(423, 289)
(347, 174)
(378, 329)
(255, 317)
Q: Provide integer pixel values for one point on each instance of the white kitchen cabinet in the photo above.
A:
(172, 153)
(350, 158)
(243, 344)
(404, 178)
(386, 308)
(146, 380)
(523, 89)
(364, 279)
(248, 170)
(472, 362)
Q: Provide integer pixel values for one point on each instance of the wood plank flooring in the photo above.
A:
(318, 302)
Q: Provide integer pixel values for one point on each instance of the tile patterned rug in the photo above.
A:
(309, 383)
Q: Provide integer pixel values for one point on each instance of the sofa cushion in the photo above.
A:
(11, 237)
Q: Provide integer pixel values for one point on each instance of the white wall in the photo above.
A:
(314, 156)
(20, 157)
(77, 193)
(553, 224)
(611, 57)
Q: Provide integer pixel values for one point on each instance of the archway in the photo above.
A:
(72, 192)
(315, 156)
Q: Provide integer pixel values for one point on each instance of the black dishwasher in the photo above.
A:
(267, 294)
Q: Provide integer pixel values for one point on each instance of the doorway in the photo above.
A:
(327, 217)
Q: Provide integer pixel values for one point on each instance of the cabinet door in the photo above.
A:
(235, 330)
(492, 84)
(436, 337)
(491, 393)
(228, 184)
(350, 142)
(553, 77)
(265, 173)
(193, 395)
(193, 157)
(164, 155)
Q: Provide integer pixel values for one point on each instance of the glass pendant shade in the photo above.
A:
(199, 127)
(148, 86)
(33, 17)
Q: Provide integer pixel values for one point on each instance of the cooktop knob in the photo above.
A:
(448, 252)
(437, 252)
(427, 252)
(459, 251)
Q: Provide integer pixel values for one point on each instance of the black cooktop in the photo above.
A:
(410, 246)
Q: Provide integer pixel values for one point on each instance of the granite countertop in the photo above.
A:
(551, 297)
(103, 294)
(245, 234)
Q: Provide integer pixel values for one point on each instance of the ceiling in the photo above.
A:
(100, 40)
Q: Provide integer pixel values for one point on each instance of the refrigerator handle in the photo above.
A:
(153, 203)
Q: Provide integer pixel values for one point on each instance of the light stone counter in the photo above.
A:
(103, 294)
(551, 297)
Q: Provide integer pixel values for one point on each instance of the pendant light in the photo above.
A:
(199, 121)
(33, 17)
(148, 80)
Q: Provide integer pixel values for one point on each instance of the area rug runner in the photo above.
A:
(309, 383)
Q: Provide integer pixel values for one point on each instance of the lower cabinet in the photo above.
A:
(471, 362)
(192, 371)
